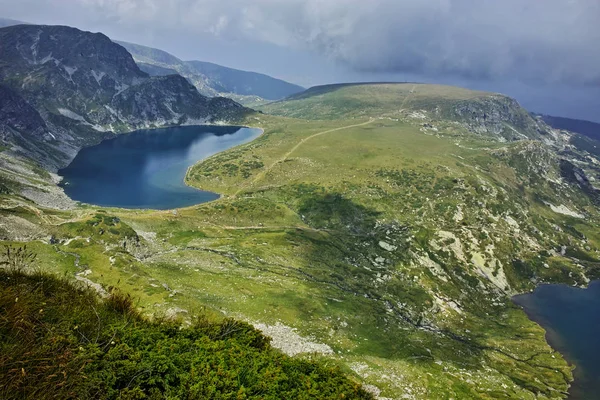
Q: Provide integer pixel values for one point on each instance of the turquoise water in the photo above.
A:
(146, 169)
(571, 317)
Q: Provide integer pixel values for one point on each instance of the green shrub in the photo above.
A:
(62, 342)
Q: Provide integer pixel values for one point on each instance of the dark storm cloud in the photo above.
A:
(533, 40)
(549, 41)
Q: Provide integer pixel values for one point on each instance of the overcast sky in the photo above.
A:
(546, 53)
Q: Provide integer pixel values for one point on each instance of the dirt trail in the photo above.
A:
(412, 90)
(264, 172)
(271, 228)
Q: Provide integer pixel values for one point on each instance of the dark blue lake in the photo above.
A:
(146, 169)
(571, 317)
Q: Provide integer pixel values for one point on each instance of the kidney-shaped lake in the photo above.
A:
(146, 169)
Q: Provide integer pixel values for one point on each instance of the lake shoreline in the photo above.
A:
(554, 308)
(187, 172)
(155, 164)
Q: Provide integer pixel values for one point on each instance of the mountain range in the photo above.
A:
(212, 79)
(62, 88)
(586, 128)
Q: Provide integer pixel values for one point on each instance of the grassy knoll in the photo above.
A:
(368, 100)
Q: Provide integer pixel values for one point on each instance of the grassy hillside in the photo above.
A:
(365, 100)
(481, 112)
(59, 341)
(387, 242)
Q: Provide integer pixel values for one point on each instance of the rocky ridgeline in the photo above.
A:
(498, 115)
(62, 89)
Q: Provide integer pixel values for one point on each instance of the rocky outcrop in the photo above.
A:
(25, 130)
(497, 115)
(180, 104)
(577, 176)
(18, 116)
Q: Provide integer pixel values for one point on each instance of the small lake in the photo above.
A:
(146, 169)
(571, 317)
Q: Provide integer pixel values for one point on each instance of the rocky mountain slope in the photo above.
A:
(65, 88)
(212, 79)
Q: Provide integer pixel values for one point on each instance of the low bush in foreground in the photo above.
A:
(58, 341)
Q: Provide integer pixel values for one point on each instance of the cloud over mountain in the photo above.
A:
(549, 41)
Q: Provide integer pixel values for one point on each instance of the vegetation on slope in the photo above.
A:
(59, 341)
(393, 243)
(480, 112)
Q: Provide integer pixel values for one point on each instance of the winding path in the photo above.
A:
(262, 174)
(412, 90)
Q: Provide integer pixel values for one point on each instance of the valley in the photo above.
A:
(379, 228)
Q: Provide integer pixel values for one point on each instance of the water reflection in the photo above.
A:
(146, 169)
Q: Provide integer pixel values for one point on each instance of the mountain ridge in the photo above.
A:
(482, 112)
(212, 79)
(587, 128)
(4, 22)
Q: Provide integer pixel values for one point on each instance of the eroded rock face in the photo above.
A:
(577, 176)
(498, 115)
(18, 116)
(64, 88)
